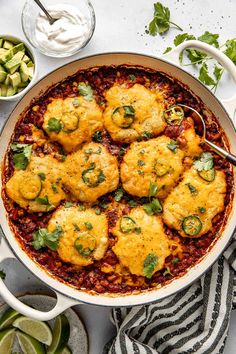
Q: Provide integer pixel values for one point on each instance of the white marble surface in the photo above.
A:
(120, 27)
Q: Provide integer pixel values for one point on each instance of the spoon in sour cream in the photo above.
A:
(49, 17)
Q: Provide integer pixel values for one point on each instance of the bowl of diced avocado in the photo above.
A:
(17, 68)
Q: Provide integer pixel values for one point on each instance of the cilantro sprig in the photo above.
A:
(21, 155)
(44, 238)
(149, 265)
(161, 21)
(154, 206)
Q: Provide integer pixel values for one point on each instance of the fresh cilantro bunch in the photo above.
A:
(161, 21)
(44, 238)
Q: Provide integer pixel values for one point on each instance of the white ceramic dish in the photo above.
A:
(78, 340)
(66, 295)
(30, 51)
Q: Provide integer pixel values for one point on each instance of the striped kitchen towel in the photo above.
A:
(195, 320)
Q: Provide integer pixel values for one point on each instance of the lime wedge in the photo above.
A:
(61, 334)
(66, 350)
(6, 340)
(29, 345)
(36, 329)
(8, 318)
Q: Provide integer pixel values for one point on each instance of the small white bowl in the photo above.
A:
(30, 51)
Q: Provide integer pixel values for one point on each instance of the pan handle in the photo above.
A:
(62, 303)
(173, 56)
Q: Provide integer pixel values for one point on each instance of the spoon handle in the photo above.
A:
(38, 2)
(225, 154)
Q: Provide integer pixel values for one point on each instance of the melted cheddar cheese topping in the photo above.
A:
(151, 161)
(72, 121)
(195, 197)
(132, 112)
(133, 247)
(85, 235)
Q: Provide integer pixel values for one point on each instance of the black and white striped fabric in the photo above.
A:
(195, 320)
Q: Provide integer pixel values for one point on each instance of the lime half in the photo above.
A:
(61, 334)
(36, 329)
(29, 345)
(66, 350)
(8, 318)
(6, 340)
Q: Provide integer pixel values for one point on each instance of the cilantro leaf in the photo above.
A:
(161, 20)
(168, 49)
(152, 189)
(44, 201)
(152, 208)
(21, 155)
(42, 176)
(54, 125)
(97, 137)
(167, 272)
(44, 238)
(231, 49)
(195, 56)
(180, 38)
(192, 189)
(86, 91)
(118, 195)
(173, 145)
(149, 265)
(205, 77)
(209, 38)
(205, 162)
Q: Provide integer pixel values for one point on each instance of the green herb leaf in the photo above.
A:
(180, 38)
(21, 155)
(68, 204)
(195, 56)
(75, 102)
(173, 145)
(161, 20)
(231, 49)
(81, 208)
(88, 225)
(44, 201)
(54, 188)
(42, 176)
(146, 135)
(97, 137)
(44, 238)
(132, 77)
(167, 272)
(205, 162)
(152, 189)
(210, 38)
(192, 189)
(205, 77)
(119, 195)
(77, 228)
(132, 203)
(154, 207)
(202, 210)
(149, 265)
(97, 210)
(138, 230)
(54, 125)
(175, 261)
(129, 111)
(141, 163)
(2, 275)
(168, 49)
(86, 91)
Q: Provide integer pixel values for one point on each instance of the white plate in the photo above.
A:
(78, 341)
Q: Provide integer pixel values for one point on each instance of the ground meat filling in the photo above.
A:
(102, 276)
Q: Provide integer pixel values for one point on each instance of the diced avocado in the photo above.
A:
(15, 79)
(12, 70)
(1, 42)
(24, 72)
(2, 68)
(2, 51)
(8, 44)
(23, 84)
(30, 66)
(5, 56)
(18, 48)
(11, 91)
(26, 59)
(3, 76)
(7, 81)
(3, 90)
(15, 60)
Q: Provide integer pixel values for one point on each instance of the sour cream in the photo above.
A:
(68, 33)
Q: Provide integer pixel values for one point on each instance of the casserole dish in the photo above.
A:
(68, 296)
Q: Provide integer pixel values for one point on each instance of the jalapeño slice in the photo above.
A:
(123, 116)
(208, 175)
(174, 115)
(30, 186)
(85, 244)
(93, 176)
(127, 224)
(192, 225)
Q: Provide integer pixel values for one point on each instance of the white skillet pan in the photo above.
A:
(68, 296)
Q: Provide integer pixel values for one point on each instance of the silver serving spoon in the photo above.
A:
(49, 17)
(223, 153)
